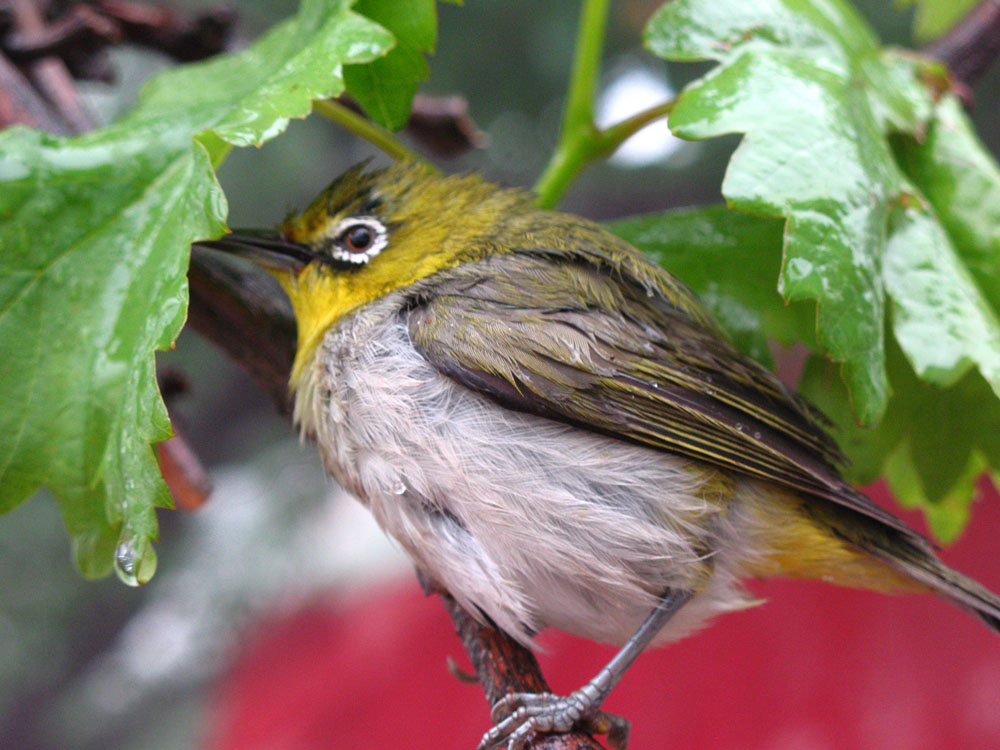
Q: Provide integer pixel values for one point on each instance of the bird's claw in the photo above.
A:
(518, 717)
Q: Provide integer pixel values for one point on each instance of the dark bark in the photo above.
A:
(971, 47)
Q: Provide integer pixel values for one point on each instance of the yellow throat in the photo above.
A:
(433, 223)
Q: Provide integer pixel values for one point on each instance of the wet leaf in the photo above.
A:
(961, 180)
(385, 87)
(932, 445)
(731, 261)
(818, 99)
(95, 233)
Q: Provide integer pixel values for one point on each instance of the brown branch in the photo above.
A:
(180, 466)
(21, 104)
(443, 124)
(80, 28)
(972, 45)
(183, 36)
(503, 666)
(183, 473)
(50, 73)
(242, 310)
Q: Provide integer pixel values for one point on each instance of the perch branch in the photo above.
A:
(242, 310)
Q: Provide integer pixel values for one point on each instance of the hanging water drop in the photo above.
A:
(399, 489)
(126, 559)
(135, 559)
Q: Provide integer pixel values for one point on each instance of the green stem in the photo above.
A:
(586, 66)
(578, 118)
(360, 126)
(575, 152)
(609, 139)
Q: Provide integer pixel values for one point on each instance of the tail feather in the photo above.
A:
(953, 586)
(914, 557)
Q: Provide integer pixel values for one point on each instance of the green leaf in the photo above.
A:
(934, 17)
(385, 87)
(933, 442)
(962, 182)
(940, 317)
(817, 99)
(95, 233)
(731, 261)
(932, 445)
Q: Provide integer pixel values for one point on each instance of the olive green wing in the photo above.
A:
(625, 351)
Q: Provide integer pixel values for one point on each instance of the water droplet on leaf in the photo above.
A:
(135, 559)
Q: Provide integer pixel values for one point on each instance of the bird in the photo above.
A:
(555, 429)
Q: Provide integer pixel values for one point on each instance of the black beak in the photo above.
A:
(265, 247)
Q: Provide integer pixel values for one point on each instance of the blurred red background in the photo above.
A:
(817, 667)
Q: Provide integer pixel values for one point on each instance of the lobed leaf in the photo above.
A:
(385, 87)
(932, 445)
(730, 260)
(96, 232)
(818, 100)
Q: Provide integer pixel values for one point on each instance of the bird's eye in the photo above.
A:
(358, 239)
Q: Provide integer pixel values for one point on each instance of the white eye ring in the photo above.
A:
(358, 239)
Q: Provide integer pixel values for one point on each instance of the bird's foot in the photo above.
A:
(518, 717)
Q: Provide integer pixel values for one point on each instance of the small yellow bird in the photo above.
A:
(556, 431)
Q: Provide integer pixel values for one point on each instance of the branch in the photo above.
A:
(81, 28)
(50, 73)
(972, 45)
(503, 666)
(442, 124)
(183, 36)
(21, 104)
(243, 311)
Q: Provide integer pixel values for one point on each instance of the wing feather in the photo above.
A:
(624, 349)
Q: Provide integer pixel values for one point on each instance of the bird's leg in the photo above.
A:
(519, 716)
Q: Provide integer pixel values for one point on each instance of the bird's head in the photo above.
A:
(374, 232)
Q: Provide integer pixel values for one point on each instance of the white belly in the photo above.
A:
(533, 522)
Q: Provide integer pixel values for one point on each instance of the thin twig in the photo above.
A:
(21, 104)
(81, 27)
(183, 36)
(183, 472)
(576, 137)
(50, 73)
(443, 124)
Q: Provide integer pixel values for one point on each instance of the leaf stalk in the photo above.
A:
(366, 129)
(580, 140)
